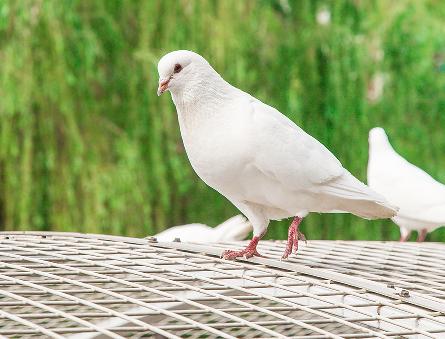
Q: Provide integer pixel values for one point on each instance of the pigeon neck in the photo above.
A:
(380, 145)
(205, 92)
(199, 104)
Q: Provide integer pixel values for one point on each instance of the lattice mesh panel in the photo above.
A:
(84, 286)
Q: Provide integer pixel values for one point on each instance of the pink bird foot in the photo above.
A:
(422, 235)
(404, 235)
(247, 253)
(293, 236)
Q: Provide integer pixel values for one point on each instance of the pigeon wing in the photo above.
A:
(300, 163)
(288, 153)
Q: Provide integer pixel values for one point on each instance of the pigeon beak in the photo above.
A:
(163, 86)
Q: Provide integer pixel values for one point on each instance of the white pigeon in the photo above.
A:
(421, 198)
(266, 165)
(235, 228)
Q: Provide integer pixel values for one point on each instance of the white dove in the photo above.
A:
(421, 198)
(235, 228)
(266, 165)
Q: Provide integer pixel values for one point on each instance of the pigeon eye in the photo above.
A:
(177, 68)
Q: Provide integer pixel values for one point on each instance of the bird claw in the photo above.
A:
(294, 235)
(287, 252)
(230, 255)
(256, 254)
(245, 254)
(301, 236)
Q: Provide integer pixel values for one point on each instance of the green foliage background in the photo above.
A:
(86, 145)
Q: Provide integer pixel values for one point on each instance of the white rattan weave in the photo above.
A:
(68, 285)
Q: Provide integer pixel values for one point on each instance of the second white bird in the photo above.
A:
(421, 198)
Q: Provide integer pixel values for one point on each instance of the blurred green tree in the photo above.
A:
(86, 145)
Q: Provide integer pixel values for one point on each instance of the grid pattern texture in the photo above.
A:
(86, 286)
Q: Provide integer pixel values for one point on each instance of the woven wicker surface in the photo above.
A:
(91, 286)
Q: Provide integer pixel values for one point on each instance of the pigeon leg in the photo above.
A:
(422, 235)
(404, 234)
(293, 236)
(247, 253)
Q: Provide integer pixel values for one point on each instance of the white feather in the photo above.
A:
(421, 198)
(255, 156)
(235, 228)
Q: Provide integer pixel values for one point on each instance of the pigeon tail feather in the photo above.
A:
(355, 197)
(235, 228)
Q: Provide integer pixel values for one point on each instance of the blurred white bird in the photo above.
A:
(235, 228)
(421, 198)
(267, 166)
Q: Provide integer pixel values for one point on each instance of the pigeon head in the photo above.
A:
(179, 69)
(378, 137)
